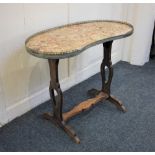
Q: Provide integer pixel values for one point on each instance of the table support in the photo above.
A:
(106, 84)
(57, 101)
(58, 117)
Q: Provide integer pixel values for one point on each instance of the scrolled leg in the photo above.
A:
(57, 102)
(107, 83)
(106, 62)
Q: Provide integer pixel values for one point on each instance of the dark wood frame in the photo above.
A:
(57, 116)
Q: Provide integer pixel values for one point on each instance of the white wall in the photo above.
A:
(137, 48)
(24, 79)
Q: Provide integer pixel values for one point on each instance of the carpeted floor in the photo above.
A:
(104, 128)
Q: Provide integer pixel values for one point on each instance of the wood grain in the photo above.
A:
(84, 106)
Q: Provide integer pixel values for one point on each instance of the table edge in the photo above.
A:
(76, 52)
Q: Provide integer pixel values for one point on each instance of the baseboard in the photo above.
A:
(26, 104)
(41, 96)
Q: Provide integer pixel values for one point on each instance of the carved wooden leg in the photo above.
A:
(106, 83)
(57, 101)
(106, 63)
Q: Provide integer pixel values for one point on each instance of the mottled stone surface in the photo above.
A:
(74, 37)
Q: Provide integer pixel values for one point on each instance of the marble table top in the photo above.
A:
(70, 40)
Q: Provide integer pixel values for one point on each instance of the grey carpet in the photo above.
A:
(104, 128)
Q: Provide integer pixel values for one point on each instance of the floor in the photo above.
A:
(104, 128)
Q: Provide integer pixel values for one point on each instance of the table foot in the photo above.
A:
(117, 102)
(94, 92)
(61, 124)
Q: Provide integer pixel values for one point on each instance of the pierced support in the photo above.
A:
(55, 90)
(106, 83)
(106, 63)
(57, 101)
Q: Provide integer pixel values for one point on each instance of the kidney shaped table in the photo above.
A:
(68, 41)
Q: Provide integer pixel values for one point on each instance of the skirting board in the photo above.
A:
(40, 97)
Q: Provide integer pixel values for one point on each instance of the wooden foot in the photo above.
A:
(117, 102)
(71, 133)
(93, 92)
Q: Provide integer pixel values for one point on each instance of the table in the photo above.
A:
(68, 41)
